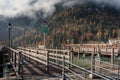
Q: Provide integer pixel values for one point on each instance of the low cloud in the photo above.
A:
(32, 8)
(13, 8)
(112, 3)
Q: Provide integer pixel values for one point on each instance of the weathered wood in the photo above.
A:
(90, 77)
(112, 57)
(69, 61)
(47, 64)
(79, 54)
(33, 58)
(58, 55)
(59, 59)
(11, 52)
(15, 58)
(43, 56)
(71, 57)
(19, 63)
(63, 72)
(93, 60)
(87, 48)
(22, 57)
(97, 63)
(57, 50)
(46, 56)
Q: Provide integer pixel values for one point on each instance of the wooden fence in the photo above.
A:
(52, 56)
(47, 56)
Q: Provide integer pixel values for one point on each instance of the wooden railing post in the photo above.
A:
(22, 65)
(11, 52)
(112, 57)
(63, 73)
(71, 57)
(79, 54)
(93, 60)
(106, 50)
(47, 61)
(88, 49)
(15, 59)
(97, 63)
(36, 61)
(19, 63)
(56, 55)
(69, 60)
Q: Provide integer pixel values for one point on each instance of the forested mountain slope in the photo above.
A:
(81, 24)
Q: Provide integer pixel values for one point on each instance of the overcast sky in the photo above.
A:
(13, 8)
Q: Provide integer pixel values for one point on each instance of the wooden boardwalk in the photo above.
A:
(94, 49)
(53, 63)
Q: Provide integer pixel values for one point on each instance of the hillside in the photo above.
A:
(80, 24)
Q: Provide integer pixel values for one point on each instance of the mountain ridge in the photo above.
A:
(81, 24)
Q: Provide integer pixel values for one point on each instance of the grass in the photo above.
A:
(85, 61)
(82, 62)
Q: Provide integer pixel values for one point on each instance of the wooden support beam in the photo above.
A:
(112, 57)
(71, 57)
(47, 64)
(56, 55)
(97, 63)
(93, 60)
(69, 60)
(15, 59)
(11, 52)
(22, 63)
(79, 53)
(19, 64)
(36, 61)
(90, 77)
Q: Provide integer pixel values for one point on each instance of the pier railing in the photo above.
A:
(62, 58)
(46, 56)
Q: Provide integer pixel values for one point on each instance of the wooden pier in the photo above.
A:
(58, 64)
(94, 49)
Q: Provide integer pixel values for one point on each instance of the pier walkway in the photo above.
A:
(55, 64)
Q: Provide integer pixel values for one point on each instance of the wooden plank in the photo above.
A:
(58, 55)
(57, 50)
(112, 57)
(44, 57)
(37, 55)
(44, 52)
(59, 59)
(16, 51)
(38, 60)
